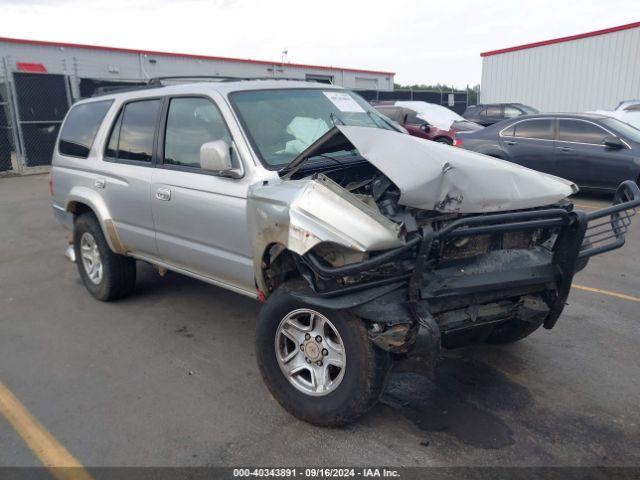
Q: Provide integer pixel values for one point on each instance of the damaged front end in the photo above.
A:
(442, 252)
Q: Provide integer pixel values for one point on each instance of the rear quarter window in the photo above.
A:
(80, 128)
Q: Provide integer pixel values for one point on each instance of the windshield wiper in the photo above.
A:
(322, 155)
(333, 117)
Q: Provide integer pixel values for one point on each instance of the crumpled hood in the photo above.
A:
(432, 176)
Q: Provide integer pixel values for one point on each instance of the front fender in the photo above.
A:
(300, 214)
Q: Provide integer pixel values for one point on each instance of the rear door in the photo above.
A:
(200, 218)
(530, 143)
(124, 174)
(491, 114)
(582, 157)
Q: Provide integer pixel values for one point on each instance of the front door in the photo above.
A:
(200, 218)
(582, 157)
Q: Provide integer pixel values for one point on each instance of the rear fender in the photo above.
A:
(85, 196)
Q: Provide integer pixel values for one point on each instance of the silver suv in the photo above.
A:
(364, 243)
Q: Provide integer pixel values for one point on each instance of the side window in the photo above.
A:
(511, 112)
(493, 111)
(413, 119)
(509, 132)
(132, 134)
(191, 122)
(80, 128)
(539, 129)
(581, 132)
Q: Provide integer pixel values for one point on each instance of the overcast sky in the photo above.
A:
(422, 41)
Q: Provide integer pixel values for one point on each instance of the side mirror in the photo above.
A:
(425, 127)
(613, 142)
(216, 157)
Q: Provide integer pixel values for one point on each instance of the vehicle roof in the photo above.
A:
(497, 103)
(222, 87)
(588, 116)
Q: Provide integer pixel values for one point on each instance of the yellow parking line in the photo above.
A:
(607, 292)
(51, 453)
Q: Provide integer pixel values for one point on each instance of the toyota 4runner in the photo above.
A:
(364, 243)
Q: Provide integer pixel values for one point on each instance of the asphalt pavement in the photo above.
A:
(168, 376)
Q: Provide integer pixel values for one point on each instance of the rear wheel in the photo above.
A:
(318, 364)
(107, 275)
(444, 140)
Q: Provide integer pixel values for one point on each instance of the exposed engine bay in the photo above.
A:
(439, 249)
(374, 189)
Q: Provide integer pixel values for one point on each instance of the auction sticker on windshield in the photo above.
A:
(344, 102)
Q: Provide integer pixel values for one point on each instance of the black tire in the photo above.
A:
(444, 140)
(511, 331)
(365, 372)
(118, 272)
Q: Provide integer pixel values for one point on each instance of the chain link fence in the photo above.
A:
(6, 131)
(456, 100)
(42, 102)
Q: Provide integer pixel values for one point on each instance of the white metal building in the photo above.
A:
(40, 80)
(589, 71)
(124, 64)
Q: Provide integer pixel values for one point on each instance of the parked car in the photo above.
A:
(364, 243)
(594, 151)
(415, 126)
(490, 113)
(630, 114)
(629, 105)
(427, 120)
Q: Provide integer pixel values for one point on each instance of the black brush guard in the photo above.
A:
(580, 236)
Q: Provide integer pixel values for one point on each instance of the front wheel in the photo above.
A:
(318, 364)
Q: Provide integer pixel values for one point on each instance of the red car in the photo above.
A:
(418, 125)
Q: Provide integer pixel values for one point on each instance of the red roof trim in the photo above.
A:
(561, 39)
(31, 67)
(184, 55)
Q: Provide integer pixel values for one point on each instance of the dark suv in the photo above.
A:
(490, 113)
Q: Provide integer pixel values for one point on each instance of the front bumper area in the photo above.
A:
(492, 287)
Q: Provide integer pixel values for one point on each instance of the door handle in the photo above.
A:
(511, 142)
(99, 182)
(163, 194)
(564, 149)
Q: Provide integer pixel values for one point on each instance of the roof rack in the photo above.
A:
(122, 90)
(290, 79)
(157, 81)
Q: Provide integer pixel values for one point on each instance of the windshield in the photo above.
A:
(623, 128)
(283, 123)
